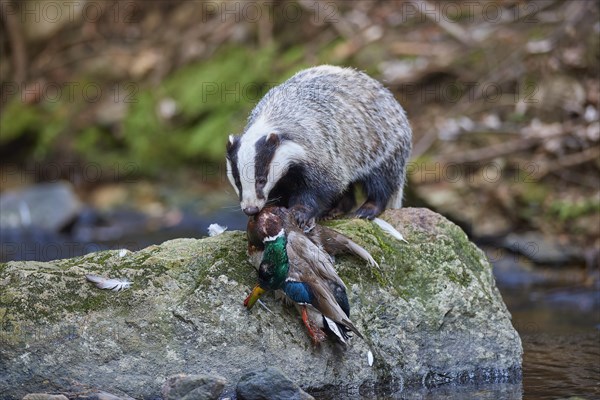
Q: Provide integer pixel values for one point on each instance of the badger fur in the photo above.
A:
(312, 138)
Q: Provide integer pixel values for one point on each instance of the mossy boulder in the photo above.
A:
(431, 315)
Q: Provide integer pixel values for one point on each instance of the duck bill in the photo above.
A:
(253, 297)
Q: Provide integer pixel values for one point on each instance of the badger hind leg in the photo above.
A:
(379, 187)
(396, 200)
(343, 206)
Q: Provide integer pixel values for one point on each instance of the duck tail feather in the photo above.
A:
(335, 329)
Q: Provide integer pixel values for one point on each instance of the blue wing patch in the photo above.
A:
(298, 291)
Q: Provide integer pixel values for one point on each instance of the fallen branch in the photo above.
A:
(17, 42)
(571, 160)
(454, 30)
(501, 149)
(490, 152)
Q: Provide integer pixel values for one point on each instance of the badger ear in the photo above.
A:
(273, 139)
(231, 142)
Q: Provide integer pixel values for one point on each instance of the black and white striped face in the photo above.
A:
(256, 161)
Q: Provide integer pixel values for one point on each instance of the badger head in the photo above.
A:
(255, 163)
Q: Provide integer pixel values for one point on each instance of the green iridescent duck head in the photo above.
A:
(273, 268)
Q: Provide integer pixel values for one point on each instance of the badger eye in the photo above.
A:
(261, 181)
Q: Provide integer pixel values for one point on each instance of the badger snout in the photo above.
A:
(253, 210)
(252, 206)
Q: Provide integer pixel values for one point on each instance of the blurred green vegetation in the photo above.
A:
(212, 100)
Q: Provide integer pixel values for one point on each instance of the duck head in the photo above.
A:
(266, 224)
(273, 268)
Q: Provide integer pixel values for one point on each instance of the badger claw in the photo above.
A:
(303, 217)
(368, 211)
(333, 214)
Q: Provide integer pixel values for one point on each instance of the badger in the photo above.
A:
(312, 139)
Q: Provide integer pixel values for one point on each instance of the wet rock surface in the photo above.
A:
(48, 206)
(44, 396)
(193, 387)
(431, 315)
(269, 384)
(543, 250)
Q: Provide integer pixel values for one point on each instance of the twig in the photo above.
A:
(571, 160)
(490, 152)
(424, 144)
(497, 150)
(453, 29)
(17, 42)
(423, 49)
(265, 27)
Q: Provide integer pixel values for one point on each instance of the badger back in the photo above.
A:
(337, 122)
(345, 120)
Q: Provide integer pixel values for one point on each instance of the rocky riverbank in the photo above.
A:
(431, 315)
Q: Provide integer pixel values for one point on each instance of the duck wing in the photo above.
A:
(336, 243)
(306, 256)
(312, 266)
(325, 302)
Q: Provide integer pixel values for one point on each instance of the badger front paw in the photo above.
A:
(303, 217)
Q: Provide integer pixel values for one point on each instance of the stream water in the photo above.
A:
(560, 330)
(561, 343)
(559, 325)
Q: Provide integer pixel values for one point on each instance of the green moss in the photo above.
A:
(84, 304)
(462, 279)
(408, 269)
(64, 282)
(213, 98)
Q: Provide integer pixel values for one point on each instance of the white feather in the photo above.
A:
(108, 283)
(216, 229)
(272, 238)
(389, 229)
(334, 328)
(370, 358)
(259, 301)
(24, 213)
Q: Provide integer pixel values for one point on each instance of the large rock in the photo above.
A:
(431, 315)
(193, 387)
(269, 384)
